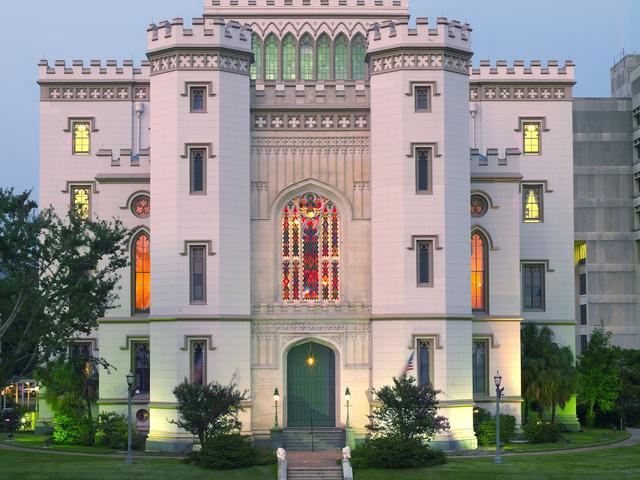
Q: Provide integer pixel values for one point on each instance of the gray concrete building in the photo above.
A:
(607, 208)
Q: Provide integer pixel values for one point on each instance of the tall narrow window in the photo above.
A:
(198, 169)
(142, 273)
(198, 361)
(271, 58)
(532, 141)
(478, 273)
(583, 314)
(197, 97)
(358, 58)
(533, 287)
(532, 203)
(584, 342)
(197, 259)
(423, 171)
(424, 260)
(289, 58)
(423, 95)
(310, 250)
(480, 367)
(580, 253)
(256, 66)
(141, 366)
(424, 362)
(306, 58)
(81, 138)
(81, 202)
(324, 57)
(583, 283)
(341, 58)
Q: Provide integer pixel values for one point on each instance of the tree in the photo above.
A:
(57, 278)
(549, 376)
(408, 411)
(600, 374)
(207, 411)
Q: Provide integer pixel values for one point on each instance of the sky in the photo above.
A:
(592, 33)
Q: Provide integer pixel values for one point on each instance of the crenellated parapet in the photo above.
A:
(495, 166)
(95, 70)
(394, 45)
(390, 8)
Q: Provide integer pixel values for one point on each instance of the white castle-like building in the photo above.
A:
(319, 179)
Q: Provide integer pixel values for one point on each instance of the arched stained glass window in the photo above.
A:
(310, 250)
(424, 363)
(341, 58)
(306, 58)
(256, 66)
(478, 272)
(271, 58)
(358, 57)
(141, 273)
(324, 57)
(81, 137)
(289, 58)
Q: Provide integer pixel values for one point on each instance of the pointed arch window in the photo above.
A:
(341, 58)
(289, 58)
(358, 57)
(310, 250)
(141, 263)
(324, 57)
(256, 66)
(306, 58)
(479, 285)
(271, 58)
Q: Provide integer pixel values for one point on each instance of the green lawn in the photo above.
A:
(618, 463)
(30, 440)
(588, 438)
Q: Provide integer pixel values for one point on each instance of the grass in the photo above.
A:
(590, 437)
(619, 463)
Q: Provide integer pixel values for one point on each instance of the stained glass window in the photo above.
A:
(424, 363)
(533, 287)
(479, 205)
(198, 278)
(197, 99)
(531, 138)
(478, 272)
(256, 66)
(81, 204)
(142, 273)
(310, 250)
(141, 206)
(271, 58)
(358, 57)
(480, 367)
(422, 99)
(141, 366)
(423, 181)
(289, 58)
(306, 58)
(324, 57)
(532, 203)
(197, 171)
(341, 58)
(423, 248)
(198, 361)
(81, 137)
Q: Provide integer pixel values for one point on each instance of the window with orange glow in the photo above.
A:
(142, 273)
(478, 273)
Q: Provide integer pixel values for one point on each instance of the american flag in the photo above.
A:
(409, 366)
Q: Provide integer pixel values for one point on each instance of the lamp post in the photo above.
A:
(130, 390)
(276, 399)
(498, 380)
(347, 397)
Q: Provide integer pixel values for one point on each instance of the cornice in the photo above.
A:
(413, 58)
(198, 58)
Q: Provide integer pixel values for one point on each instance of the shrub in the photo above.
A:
(225, 452)
(484, 426)
(72, 428)
(394, 452)
(112, 432)
(541, 431)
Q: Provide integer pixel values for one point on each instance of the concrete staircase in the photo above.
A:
(299, 439)
(314, 466)
(318, 473)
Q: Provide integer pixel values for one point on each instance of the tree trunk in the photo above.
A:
(553, 413)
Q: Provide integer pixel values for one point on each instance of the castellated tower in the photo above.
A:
(200, 175)
(420, 182)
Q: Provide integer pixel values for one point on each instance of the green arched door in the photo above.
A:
(311, 390)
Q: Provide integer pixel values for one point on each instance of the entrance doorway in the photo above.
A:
(311, 386)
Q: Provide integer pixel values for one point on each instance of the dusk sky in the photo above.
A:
(593, 33)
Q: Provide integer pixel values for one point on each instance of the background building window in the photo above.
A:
(478, 273)
(197, 260)
(531, 133)
(580, 253)
(81, 349)
(256, 66)
(341, 58)
(424, 260)
(533, 286)
(198, 361)
(324, 57)
(289, 58)
(271, 58)
(532, 203)
(306, 58)
(310, 249)
(423, 171)
(422, 97)
(480, 367)
(358, 58)
(141, 206)
(583, 314)
(81, 202)
(583, 283)
(424, 362)
(81, 137)
(141, 366)
(142, 273)
(584, 341)
(197, 99)
(197, 168)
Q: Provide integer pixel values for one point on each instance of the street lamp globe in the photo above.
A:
(276, 395)
(497, 379)
(347, 395)
(130, 379)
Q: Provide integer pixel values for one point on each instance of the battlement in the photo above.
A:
(493, 164)
(206, 33)
(95, 71)
(502, 71)
(446, 34)
(389, 8)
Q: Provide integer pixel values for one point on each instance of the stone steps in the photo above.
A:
(310, 473)
(323, 439)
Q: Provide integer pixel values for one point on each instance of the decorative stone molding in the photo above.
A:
(91, 92)
(519, 92)
(310, 121)
(200, 61)
(311, 144)
(419, 60)
(206, 243)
